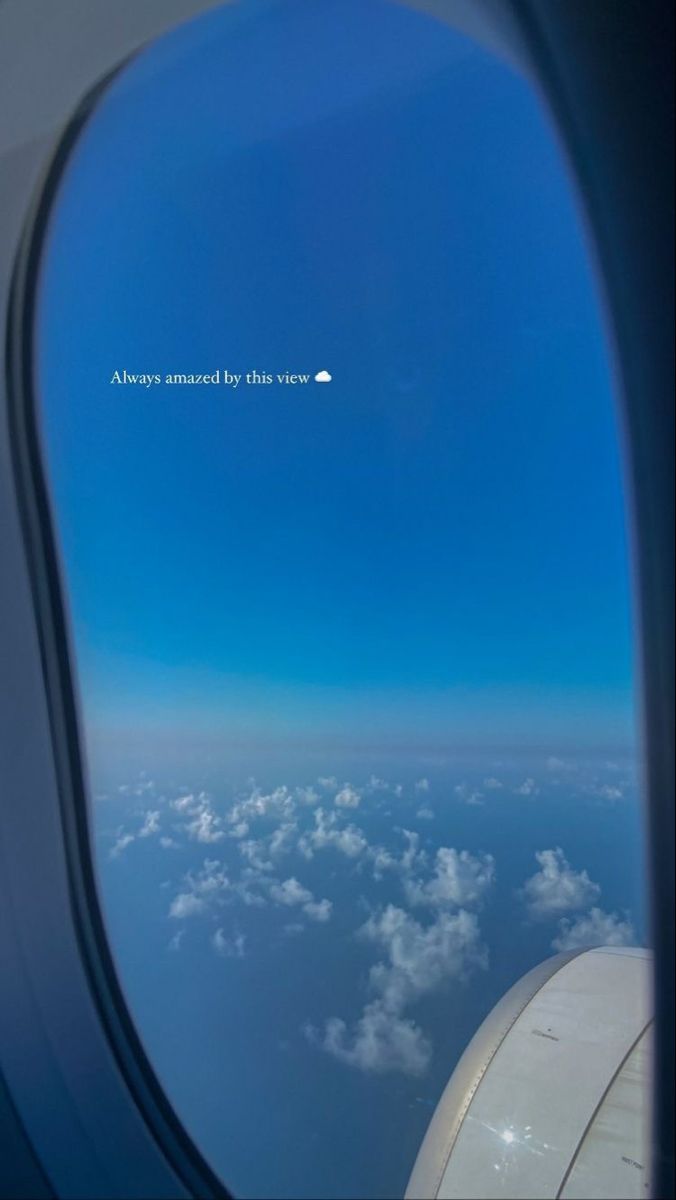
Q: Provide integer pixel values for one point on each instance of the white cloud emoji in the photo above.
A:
(322, 377)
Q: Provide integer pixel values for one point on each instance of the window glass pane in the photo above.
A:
(354, 653)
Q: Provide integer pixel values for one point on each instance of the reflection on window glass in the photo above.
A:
(329, 429)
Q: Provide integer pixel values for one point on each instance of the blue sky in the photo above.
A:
(435, 541)
(416, 574)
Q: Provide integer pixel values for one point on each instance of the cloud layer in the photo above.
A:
(421, 924)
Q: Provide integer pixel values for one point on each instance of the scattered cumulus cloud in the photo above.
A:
(380, 1041)
(420, 957)
(416, 960)
(607, 791)
(122, 840)
(557, 888)
(278, 803)
(254, 853)
(307, 796)
(527, 788)
(468, 795)
(328, 783)
(283, 839)
(459, 878)
(595, 928)
(414, 957)
(556, 764)
(347, 797)
(292, 893)
(239, 830)
(412, 856)
(233, 947)
(200, 890)
(249, 888)
(183, 804)
(435, 945)
(375, 784)
(328, 832)
(318, 910)
(151, 824)
(383, 860)
(203, 825)
(186, 904)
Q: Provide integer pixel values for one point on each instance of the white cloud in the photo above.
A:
(425, 814)
(527, 788)
(377, 785)
(347, 797)
(281, 841)
(420, 957)
(144, 785)
(380, 1041)
(229, 947)
(122, 840)
(307, 796)
(412, 856)
(184, 804)
(205, 825)
(175, 941)
(258, 804)
(467, 794)
(328, 782)
(151, 824)
(239, 830)
(607, 791)
(459, 879)
(556, 887)
(492, 784)
(253, 851)
(292, 893)
(422, 785)
(248, 888)
(200, 890)
(556, 764)
(211, 878)
(318, 910)
(383, 860)
(595, 928)
(186, 904)
(347, 839)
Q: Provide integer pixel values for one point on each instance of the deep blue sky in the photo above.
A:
(432, 546)
(413, 579)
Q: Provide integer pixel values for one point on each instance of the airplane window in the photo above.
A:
(329, 426)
